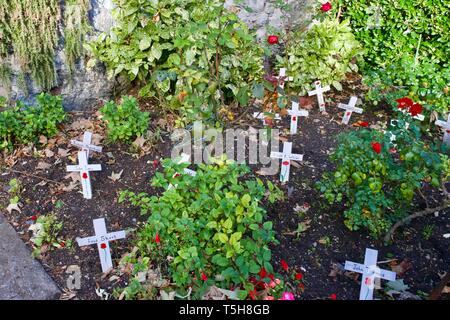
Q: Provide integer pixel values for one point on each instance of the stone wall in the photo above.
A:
(84, 88)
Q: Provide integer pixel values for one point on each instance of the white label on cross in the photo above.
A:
(84, 168)
(282, 79)
(286, 158)
(86, 144)
(446, 126)
(263, 117)
(295, 113)
(102, 239)
(319, 92)
(370, 272)
(349, 109)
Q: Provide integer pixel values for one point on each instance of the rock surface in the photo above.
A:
(21, 276)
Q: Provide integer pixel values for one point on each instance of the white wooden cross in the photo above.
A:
(286, 158)
(84, 168)
(102, 239)
(282, 79)
(446, 126)
(319, 92)
(263, 117)
(295, 113)
(86, 145)
(349, 109)
(370, 272)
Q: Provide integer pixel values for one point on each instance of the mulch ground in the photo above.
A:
(326, 244)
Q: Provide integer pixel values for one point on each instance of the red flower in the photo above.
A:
(271, 277)
(103, 246)
(252, 280)
(404, 103)
(284, 265)
(333, 296)
(273, 39)
(326, 7)
(252, 294)
(155, 164)
(416, 109)
(376, 146)
(62, 244)
(177, 175)
(364, 124)
(34, 218)
(85, 175)
(204, 277)
(157, 238)
(262, 273)
(299, 276)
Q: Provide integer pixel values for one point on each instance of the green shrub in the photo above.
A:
(125, 121)
(211, 224)
(193, 55)
(403, 27)
(25, 124)
(378, 188)
(326, 52)
(424, 82)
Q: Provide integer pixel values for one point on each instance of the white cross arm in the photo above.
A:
(360, 268)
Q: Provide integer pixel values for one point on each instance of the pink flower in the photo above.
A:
(204, 277)
(326, 7)
(333, 296)
(287, 296)
(157, 238)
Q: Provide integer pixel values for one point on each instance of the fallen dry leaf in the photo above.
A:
(43, 166)
(116, 176)
(75, 176)
(43, 140)
(63, 152)
(401, 268)
(49, 153)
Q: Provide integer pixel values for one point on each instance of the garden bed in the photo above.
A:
(417, 255)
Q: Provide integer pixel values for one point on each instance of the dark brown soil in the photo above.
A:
(325, 243)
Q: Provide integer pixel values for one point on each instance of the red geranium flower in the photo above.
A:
(326, 7)
(333, 296)
(284, 265)
(299, 276)
(157, 238)
(376, 146)
(252, 294)
(416, 109)
(204, 277)
(273, 39)
(262, 273)
(404, 103)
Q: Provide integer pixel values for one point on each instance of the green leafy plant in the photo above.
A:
(125, 121)
(194, 56)
(25, 124)
(427, 231)
(423, 81)
(45, 231)
(212, 225)
(390, 28)
(377, 178)
(327, 51)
